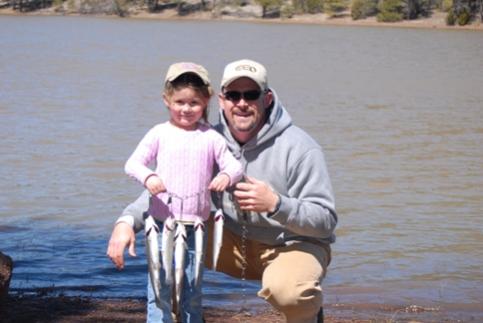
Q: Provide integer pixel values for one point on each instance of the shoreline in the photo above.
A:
(37, 308)
(83, 309)
(435, 21)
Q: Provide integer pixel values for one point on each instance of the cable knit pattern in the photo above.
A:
(184, 162)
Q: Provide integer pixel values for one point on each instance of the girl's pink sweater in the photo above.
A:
(184, 162)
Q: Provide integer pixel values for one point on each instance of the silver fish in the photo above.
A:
(152, 252)
(167, 246)
(219, 220)
(199, 227)
(180, 248)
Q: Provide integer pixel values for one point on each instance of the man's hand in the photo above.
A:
(122, 236)
(255, 195)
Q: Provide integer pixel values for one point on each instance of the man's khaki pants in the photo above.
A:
(291, 275)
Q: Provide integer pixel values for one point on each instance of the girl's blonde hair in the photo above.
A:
(194, 82)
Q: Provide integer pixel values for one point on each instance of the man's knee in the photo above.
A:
(292, 282)
(297, 300)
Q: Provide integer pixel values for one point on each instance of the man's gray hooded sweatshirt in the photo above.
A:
(288, 159)
(292, 163)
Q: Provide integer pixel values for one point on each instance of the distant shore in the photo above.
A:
(436, 21)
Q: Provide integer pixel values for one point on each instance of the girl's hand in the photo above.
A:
(155, 185)
(219, 183)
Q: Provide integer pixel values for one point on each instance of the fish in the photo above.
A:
(219, 219)
(199, 227)
(180, 247)
(167, 247)
(152, 251)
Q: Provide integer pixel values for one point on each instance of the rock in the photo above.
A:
(272, 13)
(246, 11)
(185, 8)
(6, 266)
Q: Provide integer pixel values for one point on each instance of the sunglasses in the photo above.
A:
(235, 96)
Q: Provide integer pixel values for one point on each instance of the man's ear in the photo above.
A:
(268, 98)
(221, 101)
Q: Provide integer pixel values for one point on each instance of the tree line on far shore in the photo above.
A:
(460, 12)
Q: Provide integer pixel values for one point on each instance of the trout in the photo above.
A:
(180, 247)
(199, 227)
(219, 220)
(167, 245)
(152, 253)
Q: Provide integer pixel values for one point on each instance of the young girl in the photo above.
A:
(184, 149)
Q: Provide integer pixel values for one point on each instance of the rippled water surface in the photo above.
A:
(398, 112)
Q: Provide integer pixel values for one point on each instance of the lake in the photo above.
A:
(399, 113)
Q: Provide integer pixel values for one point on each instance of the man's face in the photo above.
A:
(243, 110)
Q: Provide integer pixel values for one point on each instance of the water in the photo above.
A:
(398, 112)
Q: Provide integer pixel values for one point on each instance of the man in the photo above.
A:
(280, 221)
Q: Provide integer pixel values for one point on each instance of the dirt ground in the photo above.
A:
(75, 309)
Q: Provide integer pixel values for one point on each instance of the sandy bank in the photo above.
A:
(75, 309)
